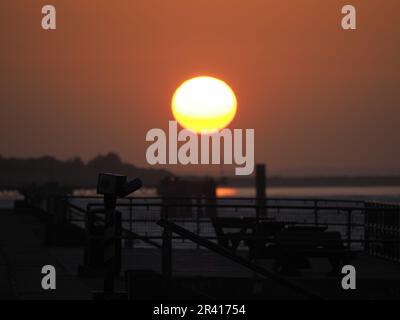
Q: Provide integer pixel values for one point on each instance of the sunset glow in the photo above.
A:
(204, 105)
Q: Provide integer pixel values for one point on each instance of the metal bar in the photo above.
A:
(361, 202)
(244, 238)
(248, 206)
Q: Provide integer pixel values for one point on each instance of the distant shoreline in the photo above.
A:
(281, 182)
(75, 174)
(317, 182)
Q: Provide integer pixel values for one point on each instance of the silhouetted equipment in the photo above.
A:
(116, 185)
(94, 250)
(93, 258)
(113, 186)
(260, 189)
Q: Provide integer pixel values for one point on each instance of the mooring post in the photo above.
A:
(260, 190)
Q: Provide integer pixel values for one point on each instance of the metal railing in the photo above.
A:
(382, 230)
(369, 226)
(141, 214)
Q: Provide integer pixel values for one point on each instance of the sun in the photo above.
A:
(204, 104)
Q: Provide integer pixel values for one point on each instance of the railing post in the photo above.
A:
(398, 234)
(58, 208)
(110, 244)
(166, 250)
(366, 228)
(199, 200)
(130, 242)
(260, 190)
(316, 212)
(349, 228)
(396, 231)
(93, 254)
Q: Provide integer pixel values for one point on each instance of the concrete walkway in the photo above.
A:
(22, 256)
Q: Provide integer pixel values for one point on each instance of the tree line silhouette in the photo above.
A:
(73, 173)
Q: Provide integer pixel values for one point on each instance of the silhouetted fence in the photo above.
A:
(382, 230)
(373, 227)
(139, 215)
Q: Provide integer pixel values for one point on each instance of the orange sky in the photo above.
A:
(321, 100)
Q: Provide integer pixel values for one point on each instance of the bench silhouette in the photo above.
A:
(263, 245)
(231, 240)
(228, 253)
(293, 248)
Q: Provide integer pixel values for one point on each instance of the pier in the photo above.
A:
(195, 255)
